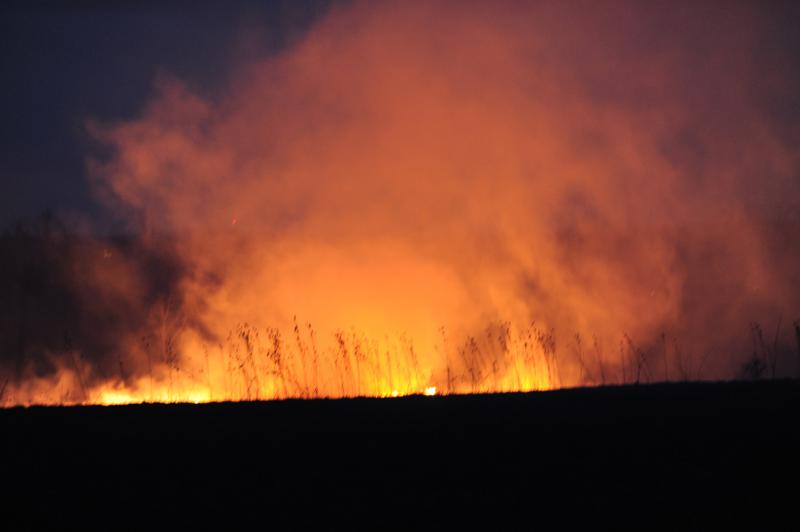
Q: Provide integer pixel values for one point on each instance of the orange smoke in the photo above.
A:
(460, 198)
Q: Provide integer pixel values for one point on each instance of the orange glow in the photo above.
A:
(421, 199)
(258, 365)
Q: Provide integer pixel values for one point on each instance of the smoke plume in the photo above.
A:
(617, 181)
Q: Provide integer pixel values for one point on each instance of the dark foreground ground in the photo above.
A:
(682, 457)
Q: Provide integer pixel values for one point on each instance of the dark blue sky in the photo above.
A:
(61, 65)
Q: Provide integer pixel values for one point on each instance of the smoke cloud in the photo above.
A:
(438, 171)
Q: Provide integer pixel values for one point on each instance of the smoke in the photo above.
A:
(604, 169)
(620, 171)
(78, 304)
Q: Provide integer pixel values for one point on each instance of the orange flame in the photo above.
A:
(258, 365)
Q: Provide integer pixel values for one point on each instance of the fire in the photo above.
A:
(261, 365)
(116, 398)
(417, 199)
(151, 393)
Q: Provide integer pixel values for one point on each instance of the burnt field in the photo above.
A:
(660, 456)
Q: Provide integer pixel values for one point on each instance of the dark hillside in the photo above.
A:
(667, 456)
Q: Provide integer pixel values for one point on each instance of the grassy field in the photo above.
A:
(673, 456)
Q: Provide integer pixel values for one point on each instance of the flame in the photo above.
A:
(420, 200)
(258, 365)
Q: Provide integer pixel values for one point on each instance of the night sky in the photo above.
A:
(66, 62)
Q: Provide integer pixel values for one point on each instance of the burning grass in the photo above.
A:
(255, 364)
(264, 363)
(75, 339)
